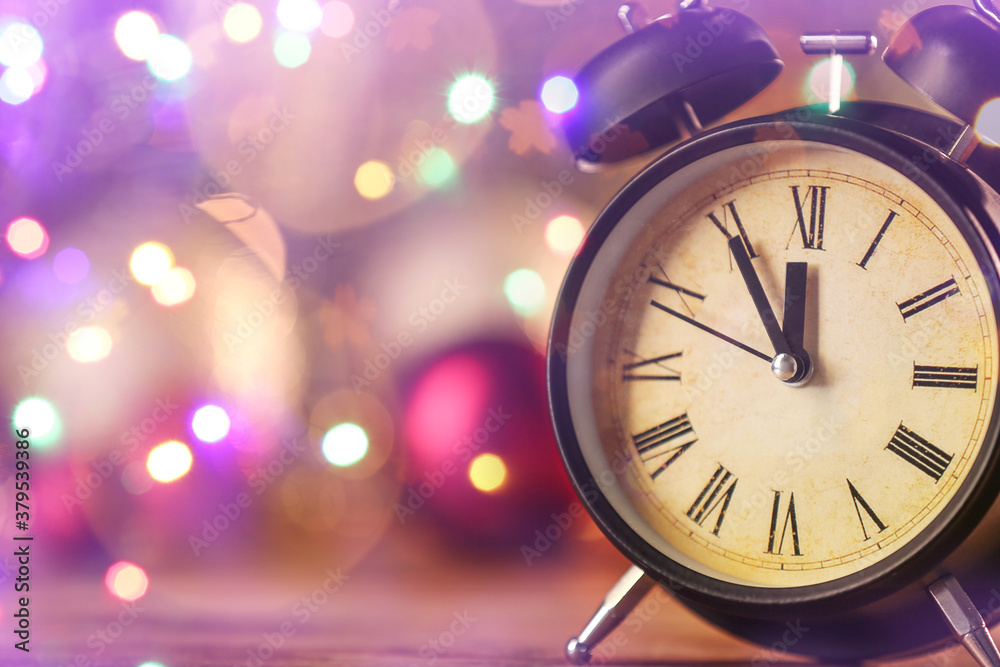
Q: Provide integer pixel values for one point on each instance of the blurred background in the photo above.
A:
(276, 281)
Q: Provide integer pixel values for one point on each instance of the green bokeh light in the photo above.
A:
(525, 290)
(471, 98)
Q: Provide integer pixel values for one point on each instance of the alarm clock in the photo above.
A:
(773, 362)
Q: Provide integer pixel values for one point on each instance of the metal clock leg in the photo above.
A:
(623, 597)
(966, 622)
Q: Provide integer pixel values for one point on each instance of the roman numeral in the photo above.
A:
(861, 504)
(789, 522)
(925, 300)
(739, 226)
(878, 237)
(811, 231)
(946, 377)
(712, 496)
(671, 439)
(657, 372)
(919, 453)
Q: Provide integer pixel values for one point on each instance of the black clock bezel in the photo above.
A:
(962, 200)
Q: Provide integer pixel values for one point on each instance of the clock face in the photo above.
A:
(855, 449)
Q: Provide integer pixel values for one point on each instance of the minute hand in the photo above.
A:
(759, 297)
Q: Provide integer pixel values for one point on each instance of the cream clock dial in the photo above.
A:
(777, 483)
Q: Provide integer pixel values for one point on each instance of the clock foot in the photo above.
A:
(966, 622)
(620, 600)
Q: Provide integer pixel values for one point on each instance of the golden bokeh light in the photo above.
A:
(487, 472)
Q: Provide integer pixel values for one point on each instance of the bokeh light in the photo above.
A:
(338, 19)
(988, 122)
(242, 23)
(292, 49)
(89, 344)
(470, 98)
(38, 416)
(126, 581)
(525, 291)
(151, 664)
(559, 94)
(16, 85)
(20, 45)
(151, 262)
(821, 80)
(487, 472)
(27, 238)
(345, 444)
(437, 167)
(170, 58)
(136, 34)
(169, 462)
(210, 423)
(71, 265)
(374, 179)
(564, 234)
(177, 286)
(299, 15)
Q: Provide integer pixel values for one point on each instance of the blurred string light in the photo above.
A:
(151, 262)
(345, 444)
(826, 85)
(151, 664)
(20, 45)
(242, 23)
(374, 179)
(170, 58)
(487, 472)
(176, 287)
(437, 167)
(169, 462)
(559, 94)
(292, 49)
(27, 238)
(136, 34)
(338, 19)
(525, 291)
(89, 344)
(40, 418)
(563, 234)
(126, 581)
(299, 15)
(988, 122)
(470, 98)
(71, 265)
(19, 84)
(210, 423)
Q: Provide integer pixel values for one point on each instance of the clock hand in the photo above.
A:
(719, 334)
(759, 297)
(795, 304)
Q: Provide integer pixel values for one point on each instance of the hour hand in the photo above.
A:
(749, 273)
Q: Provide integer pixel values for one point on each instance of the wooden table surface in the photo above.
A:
(395, 608)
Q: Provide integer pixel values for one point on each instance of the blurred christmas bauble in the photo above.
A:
(484, 462)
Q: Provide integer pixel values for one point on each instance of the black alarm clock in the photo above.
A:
(773, 362)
